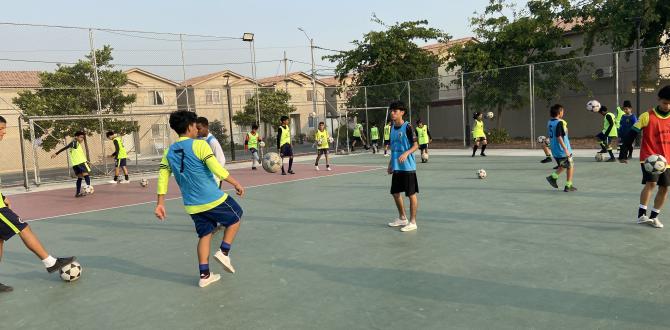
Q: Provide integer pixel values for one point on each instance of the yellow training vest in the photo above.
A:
(122, 150)
(77, 155)
(285, 135)
(252, 140)
(321, 138)
(422, 134)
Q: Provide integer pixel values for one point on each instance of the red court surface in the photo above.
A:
(59, 202)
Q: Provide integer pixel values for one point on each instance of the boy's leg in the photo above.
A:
(125, 173)
(399, 204)
(413, 207)
(474, 147)
(484, 143)
(87, 178)
(318, 156)
(325, 155)
(4, 288)
(33, 244)
(78, 184)
(203, 249)
(116, 173)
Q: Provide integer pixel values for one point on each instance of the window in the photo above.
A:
(309, 95)
(156, 97)
(158, 131)
(311, 122)
(212, 96)
(248, 94)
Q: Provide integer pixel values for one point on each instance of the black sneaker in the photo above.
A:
(291, 172)
(283, 173)
(611, 160)
(546, 160)
(473, 155)
(5, 288)
(253, 168)
(552, 182)
(569, 189)
(60, 262)
(555, 167)
(482, 154)
(79, 195)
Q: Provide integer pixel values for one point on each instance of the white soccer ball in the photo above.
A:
(319, 141)
(272, 162)
(489, 115)
(593, 106)
(71, 272)
(541, 139)
(481, 173)
(331, 140)
(88, 190)
(144, 182)
(600, 157)
(424, 157)
(261, 144)
(655, 164)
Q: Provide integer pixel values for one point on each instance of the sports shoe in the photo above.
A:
(283, 173)
(552, 181)
(328, 168)
(316, 168)
(387, 155)
(644, 220)
(291, 172)
(253, 168)
(656, 223)
(60, 262)
(569, 189)
(208, 280)
(555, 167)
(124, 181)
(482, 154)
(623, 161)
(112, 181)
(5, 288)
(225, 261)
(398, 223)
(611, 160)
(546, 160)
(410, 226)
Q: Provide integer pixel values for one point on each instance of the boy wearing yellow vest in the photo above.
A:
(423, 136)
(478, 134)
(322, 139)
(120, 158)
(609, 133)
(284, 144)
(78, 160)
(359, 136)
(387, 138)
(251, 143)
(374, 138)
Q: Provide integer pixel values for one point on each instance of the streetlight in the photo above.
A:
(249, 37)
(311, 46)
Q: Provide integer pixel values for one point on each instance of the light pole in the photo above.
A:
(638, 22)
(311, 47)
(249, 37)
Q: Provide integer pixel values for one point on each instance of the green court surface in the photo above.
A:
(507, 252)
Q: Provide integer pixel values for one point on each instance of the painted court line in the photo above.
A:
(226, 190)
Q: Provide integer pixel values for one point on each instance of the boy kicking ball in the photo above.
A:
(560, 148)
(11, 224)
(192, 162)
(78, 160)
(403, 167)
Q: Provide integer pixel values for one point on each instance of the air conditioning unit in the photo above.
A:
(603, 72)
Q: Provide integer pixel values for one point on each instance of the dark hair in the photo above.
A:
(627, 104)
(181, 120)
(397, 105)
(254, 126)
(664, 93)
(202, 121)
(3, 120)
(283, 118)
(79, 133)
(476, 114)
(321, 123)
(555, 110)
(419, 121)
(603, 109)
(110, 133)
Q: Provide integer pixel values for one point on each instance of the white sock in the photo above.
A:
(49, 261)
(644, 207)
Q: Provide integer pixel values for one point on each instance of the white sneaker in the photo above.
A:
(328, 168)
(112, 181)
(316, 168)
(410, 226)
(656, 223)
(644, 220)
(225, 261)
(398, 223)
(387, 155)
(207, 281)
(124, 181)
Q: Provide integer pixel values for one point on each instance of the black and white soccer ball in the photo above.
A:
(541, 139)
(271, 162)
(71, 272)
(88, 190)
(655, 164)
(489, 115)
(144, 183)
(481, 174)
(600, 157)
(593, 106)
(425, 157)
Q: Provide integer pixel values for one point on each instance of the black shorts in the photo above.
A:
(357, 139)
(10, 224)
(81, 169)
(565, 162)
(286, 150)
(253, 150)
(404, 182)
(387, 142)
(323, 151)
(120, 162)
(662, 180)
(423, 146)
(480, 139)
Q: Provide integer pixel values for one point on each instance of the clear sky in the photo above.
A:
(333, 24)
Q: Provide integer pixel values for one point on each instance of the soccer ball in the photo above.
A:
(593, 106)
(655, 164)
(489, 115)
(144, 182)
(88, 190)
(319, 141)
(272, 162)
(481, 174)
(541, 139)
(261, 144)
(599, 157)
(424, 157)
(71, 272)
(331, 140)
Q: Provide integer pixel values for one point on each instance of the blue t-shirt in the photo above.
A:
(558, 129)
(626, 123)
(402, 139)
(192, 174)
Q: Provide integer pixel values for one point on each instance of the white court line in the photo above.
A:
(175, 198)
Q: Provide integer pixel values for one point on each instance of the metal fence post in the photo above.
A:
(36, 166)
(531, 95)
(465, 142)
(98, 98)
(409, 100)
(616, 77)
(23, 156)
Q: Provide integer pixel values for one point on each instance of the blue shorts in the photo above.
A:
(10, 224)
(226, 214)
(81, 169)
(120, 162)
(286, 150)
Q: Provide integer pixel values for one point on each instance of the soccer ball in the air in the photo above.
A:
(71, 272)
(541, 139)
(272, 162)
(481, 174)
(600, 157)
(331, 140)
(593, 106)
(489, 115)
(655, 164)
(261, 144)
(144, 182)
(88, 190)
(424, 157)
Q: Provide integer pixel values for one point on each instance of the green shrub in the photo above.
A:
(495, 135)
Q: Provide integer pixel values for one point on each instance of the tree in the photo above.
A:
(496, 76)
(273, 105)
(385, 59)
(71, 90)
(217, 129)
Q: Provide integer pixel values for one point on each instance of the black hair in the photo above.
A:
(3, 120)
(254, 126)
(79, 133)
(397, 105)
(110, 133)
(202, 121)
(322, 123)
(476, 114)
(603, 109)
(664, 93)
(627, 104)
(181, 120)
(419, 121)
(283, 118)
(555, 110)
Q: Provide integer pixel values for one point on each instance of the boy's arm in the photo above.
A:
(204, 152)
(67, 146)
(246, 142)
(415, 145)
(279, 137)
(116, 148)
(162, 186)
(217, 150)
(611, 125)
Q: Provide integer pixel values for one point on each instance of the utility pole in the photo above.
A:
(230, 120)
(638, 22)
(285, 72)
(311, 46)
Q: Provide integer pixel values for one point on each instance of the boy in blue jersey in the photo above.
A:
(11, 224)
(626, 122)
(403, 167)
(192, 162)
(560, 147)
